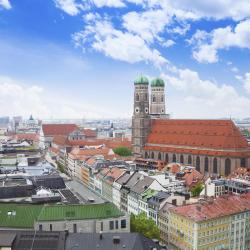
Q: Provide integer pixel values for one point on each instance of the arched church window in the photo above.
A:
(166, 158)
(174, 158)
(227, 166)
(189, 159)
(159, 156)
(137, 98)
(146, 97)
(198, 163)
(215, 166)
(154, 98)
(243, 162)
(206, 164)
(181, 159)
(152, 155)
(162, 98)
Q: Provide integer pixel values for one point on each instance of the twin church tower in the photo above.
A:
(144, 112)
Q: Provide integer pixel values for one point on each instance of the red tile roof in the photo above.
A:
(222, 206)
(60, 140)
(113, 174)
(84, 154)
(215, 137)
(89, 132)
(192, 177)
(29, 137)
(111, 143)
(58, 129)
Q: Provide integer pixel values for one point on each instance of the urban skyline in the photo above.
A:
(78, 59)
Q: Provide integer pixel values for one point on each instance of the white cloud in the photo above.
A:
(204, 98)
(109, 3)
(147, 24)
(247, 82)
(116, 44)
(207, 45)
(20, 99)
(168, 43)
(71, 7)
(216, 9)
(5, 4)
(180, 30)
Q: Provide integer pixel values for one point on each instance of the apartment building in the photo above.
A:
(223, 223)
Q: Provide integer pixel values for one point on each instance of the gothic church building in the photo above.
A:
(214, 147)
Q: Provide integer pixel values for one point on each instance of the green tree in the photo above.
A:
(196, 190)
(123, 151)
(141, 224)
(61, 168)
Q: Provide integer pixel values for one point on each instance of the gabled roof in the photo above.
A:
(123, 178)
(158, 197)
(142, 185)
(113, 174)
(134, 178)
(190, 136)
(58, 129)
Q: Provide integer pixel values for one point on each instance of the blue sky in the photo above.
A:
(78, 58)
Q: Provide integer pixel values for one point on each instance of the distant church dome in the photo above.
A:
(158, 82)
(141, 80)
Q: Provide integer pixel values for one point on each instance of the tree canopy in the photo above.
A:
(123, 151)
(141, 224)
(196, 190)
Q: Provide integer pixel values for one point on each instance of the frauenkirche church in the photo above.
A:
(212, 146)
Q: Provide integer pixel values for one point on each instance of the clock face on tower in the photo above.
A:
(137, 110)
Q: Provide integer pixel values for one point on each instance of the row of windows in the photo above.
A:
(115, 224)
(145, 97)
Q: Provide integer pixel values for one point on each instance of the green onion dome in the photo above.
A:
(158, 82)
(141, 80)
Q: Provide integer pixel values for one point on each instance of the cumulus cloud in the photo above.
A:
(5, 4)
(207, 45)
(117, 44)
(147, 24)
(71, 7)
(17, 98)
(206, 98)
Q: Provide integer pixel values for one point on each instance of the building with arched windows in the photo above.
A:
(212, 146)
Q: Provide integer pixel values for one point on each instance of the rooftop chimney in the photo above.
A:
(174, 202)
(116, 239)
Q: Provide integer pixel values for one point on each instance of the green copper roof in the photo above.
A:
(18, 216)
(24, 215)
(158, 82)
(79, 212)
(141, 80)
